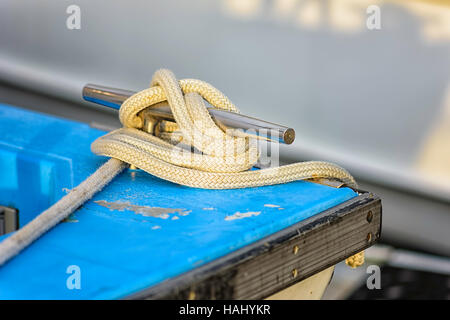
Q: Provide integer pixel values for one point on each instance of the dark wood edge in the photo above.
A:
(282, 259)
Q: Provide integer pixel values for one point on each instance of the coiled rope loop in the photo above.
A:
(221, 160)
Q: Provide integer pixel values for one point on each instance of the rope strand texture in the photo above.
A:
(12, 245)
(223, 159)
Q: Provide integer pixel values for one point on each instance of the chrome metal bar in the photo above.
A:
(113, 98)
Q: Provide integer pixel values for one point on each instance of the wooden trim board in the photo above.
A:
(282, 259)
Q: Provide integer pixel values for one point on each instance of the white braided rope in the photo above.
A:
(224, 159)
(12, 245)
(222, 163)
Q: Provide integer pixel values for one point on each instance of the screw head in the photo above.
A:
(369, 216)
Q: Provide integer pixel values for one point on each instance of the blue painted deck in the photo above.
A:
(123, 250)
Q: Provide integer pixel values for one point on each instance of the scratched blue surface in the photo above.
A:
(120, 252)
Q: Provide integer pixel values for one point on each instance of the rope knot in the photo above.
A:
(211, 168)
(194, 150)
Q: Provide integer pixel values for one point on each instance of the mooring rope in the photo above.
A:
(194, 151)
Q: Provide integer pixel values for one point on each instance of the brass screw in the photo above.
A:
(294, 273)
(369, 237)
(295, 249)
(369, 216)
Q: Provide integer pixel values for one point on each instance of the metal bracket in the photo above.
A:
(9, 219)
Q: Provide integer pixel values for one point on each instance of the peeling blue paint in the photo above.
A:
(117, 253)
